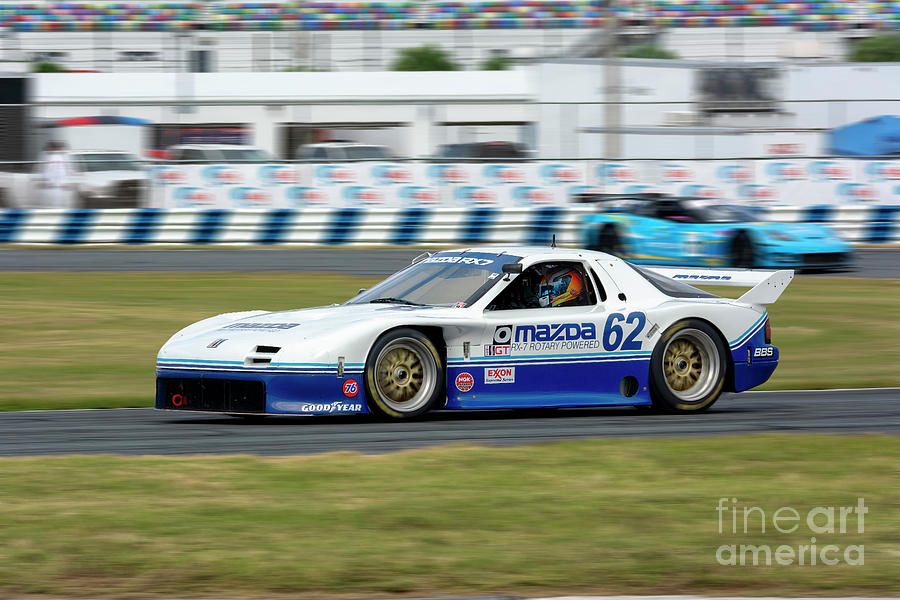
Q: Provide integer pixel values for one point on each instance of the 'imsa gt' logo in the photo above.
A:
(497, 350)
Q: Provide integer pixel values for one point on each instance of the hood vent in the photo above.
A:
(254, 358)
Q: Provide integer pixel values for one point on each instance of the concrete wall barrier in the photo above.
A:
(374, 226)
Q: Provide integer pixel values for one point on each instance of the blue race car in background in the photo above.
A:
(669, 230)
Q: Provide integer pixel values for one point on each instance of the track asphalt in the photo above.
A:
(145, 431)
(880, 263)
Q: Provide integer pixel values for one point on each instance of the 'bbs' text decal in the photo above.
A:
(763, 352)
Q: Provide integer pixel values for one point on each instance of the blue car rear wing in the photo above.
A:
(765, 286)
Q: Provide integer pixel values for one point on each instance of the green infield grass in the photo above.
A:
(613, 516)
(80, 340)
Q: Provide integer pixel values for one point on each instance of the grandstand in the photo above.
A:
(351, 35)
(438, 14)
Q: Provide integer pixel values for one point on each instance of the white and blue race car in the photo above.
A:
(485, 328)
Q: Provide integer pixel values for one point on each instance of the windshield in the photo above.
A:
(445, 279)
(108, 162)
(364, 152)
(245, 154)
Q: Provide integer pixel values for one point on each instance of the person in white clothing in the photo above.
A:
(56, 176)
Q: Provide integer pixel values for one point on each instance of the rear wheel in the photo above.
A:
(742, 253)
(404, 375)
(687, 368)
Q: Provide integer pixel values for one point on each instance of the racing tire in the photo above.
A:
(743, 255)
(404, 375)
(687, 368)
(608, 241)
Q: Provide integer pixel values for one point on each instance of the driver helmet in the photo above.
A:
(560, 286)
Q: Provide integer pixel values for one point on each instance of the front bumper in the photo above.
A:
(259, 393)
(805, 256)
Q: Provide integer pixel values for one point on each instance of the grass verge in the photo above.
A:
(89, 340)
(613, 516)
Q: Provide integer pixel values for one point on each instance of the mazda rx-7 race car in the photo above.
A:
(485, 328)
(692, 231)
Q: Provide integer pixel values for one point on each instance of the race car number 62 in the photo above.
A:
(613, 333)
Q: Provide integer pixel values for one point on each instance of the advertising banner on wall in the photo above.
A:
(367, 184)
(800, 182)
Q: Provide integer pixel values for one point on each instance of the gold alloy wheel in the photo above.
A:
(405, 374)
(691, 365)
(683, 365)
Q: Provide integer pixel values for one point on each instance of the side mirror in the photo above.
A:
(511, 269)
(361, 290)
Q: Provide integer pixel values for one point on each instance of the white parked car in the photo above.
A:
(218, 153)
(98, 179)
(485, 328)
(343, 152)
(109, 179)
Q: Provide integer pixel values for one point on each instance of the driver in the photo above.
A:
(560, 287)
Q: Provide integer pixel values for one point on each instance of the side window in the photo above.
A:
(548, 285)
(600, 290)
(319, 154)
(674, 211)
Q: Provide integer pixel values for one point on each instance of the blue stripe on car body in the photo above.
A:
(286, 393)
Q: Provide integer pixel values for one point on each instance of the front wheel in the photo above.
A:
(404, 375)
(687, 368)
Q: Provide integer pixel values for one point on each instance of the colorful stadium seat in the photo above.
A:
(440, 14)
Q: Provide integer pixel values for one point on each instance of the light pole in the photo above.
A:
(612, 86)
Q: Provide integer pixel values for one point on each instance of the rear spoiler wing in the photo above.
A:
(765, 286)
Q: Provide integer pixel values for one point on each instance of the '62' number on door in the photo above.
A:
(614, 334)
